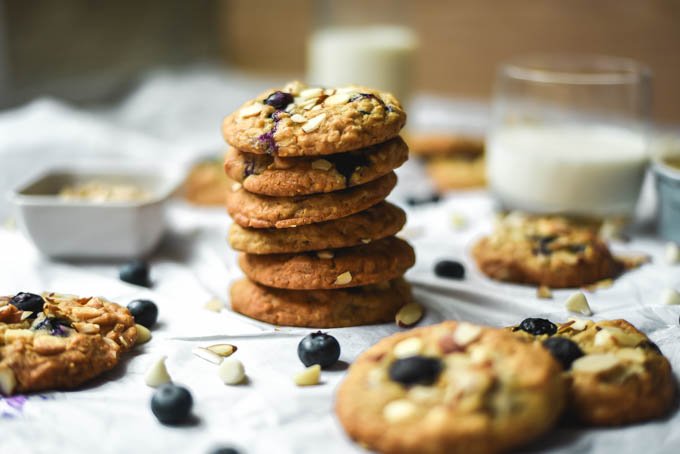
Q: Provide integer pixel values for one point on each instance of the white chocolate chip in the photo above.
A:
(297, 118)
(314, 123)
(579, 324)
(609, 335)
(157, 374)
(143, 334)
(311, 93)
(596, 363)
(672, 253)
(214, 305)
(326, 255)
(207, 355)
(235, 187)
(409, 315)
(632, 354)
(408, 347)
(321, 164)
(231, 371)
(335, 100)
(309, 376)
(223, 350)
(578, 303)
(8, 381)
(344, 279)
(466, 333)
(670, 296)
(399, 410)
(250, 110)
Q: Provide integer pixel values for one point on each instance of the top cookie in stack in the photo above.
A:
(314, 167)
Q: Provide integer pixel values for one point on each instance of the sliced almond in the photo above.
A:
(409, 315)
(214, 305)
(309, 376)
(366, 240)
(344, 279)
(326, 255)
(595, 364)
(321, 164)
(8, 381)
(85, 312)
(235, 187)
(579, 324)
(314, 123)
(337, 99)
(25, 315)
(157, 374)
(143, 334)
(612, 335)
(231, 371)
(18, 334)
(251, 110)
(329, 91)
(297, 118)
(466, 333)
(670, 296)
(578, 303)
(207, 355)
(86, 328)
(672, 253)
(311, 93)
(631, 354)
(223, 350)
(49, 345)
(408, 347)
(399, 411)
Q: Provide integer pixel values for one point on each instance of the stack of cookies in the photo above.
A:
(314, 166)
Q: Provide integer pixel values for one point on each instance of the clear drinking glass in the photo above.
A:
(569, 134)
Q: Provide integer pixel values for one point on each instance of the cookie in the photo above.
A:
(259, 211)
(450, 388)
(457, 173)
(299, 120)
(446, 145)
(61, 345)
(548, 251)
(207, 184)
(355, 306)
(379, 221)
(275, 176)
(378, 261)
(616, 375)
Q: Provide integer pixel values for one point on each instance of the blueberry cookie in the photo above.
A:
(355, 306)
(616, 375)
(207, 184)
(377, 222)
(371, 263)
(450, 388)
(299, 120)
(287, 177)
(259, 211)
(59, 341)
(549, 251)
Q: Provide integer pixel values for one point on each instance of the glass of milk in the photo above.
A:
(569, 134)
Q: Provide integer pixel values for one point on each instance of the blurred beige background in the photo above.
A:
(104, 46)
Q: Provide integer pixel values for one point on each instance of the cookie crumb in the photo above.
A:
(544, 292)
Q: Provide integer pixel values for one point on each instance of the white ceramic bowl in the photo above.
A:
(84, 229)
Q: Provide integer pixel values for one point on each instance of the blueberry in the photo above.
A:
(449, 269)
(319, 348)
(279, 99)
(54, 325)
(135, 272)
(564, 350)
(415, 201)
(224, 450)
(171, 404)
(537, 326)
(416, 370)
(145, 312)
(28, 302)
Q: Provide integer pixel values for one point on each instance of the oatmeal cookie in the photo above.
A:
(446, 145)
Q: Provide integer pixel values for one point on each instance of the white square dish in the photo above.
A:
(88, 229)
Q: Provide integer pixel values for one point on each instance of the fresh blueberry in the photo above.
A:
(279, 99)
(28, 302)
(171, 404)
(135, 272)
(415, 201)
(145, 312)
(416, 370)
(224, 450)
(564, 350)
(449, 269)
(54, 325)
(319, 348)
(538, 326)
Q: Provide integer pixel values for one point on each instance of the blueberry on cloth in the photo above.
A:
(135, 272)
(563, 350)
(450, 269)
(171, 404)
(145, 312)
(279, 99)
(319, 348)
(416, 370)
(537, 326)
(415, 201)
(224, 450)
(28, 302)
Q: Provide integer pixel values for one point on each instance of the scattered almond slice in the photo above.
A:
(223, 350)
(670, 297)
(297, 118)
(344, 278)
(231, 371)
(337, 99)
(214, 305)
(207, 355)
(409, 315)
(578, 303)
(309, 376)
(157, 374)
(143, 334)
(250, 110)
(309, 93)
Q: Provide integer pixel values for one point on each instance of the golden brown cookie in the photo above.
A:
(287, 177)
(62, 342)
(355, 306)
(446, 145)
(207, 184)
(299, 120)
(450, 388)
(616, 375)
(377, 222)
(549, 251)
(260, 211)
(457, 173)
(378, 261)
